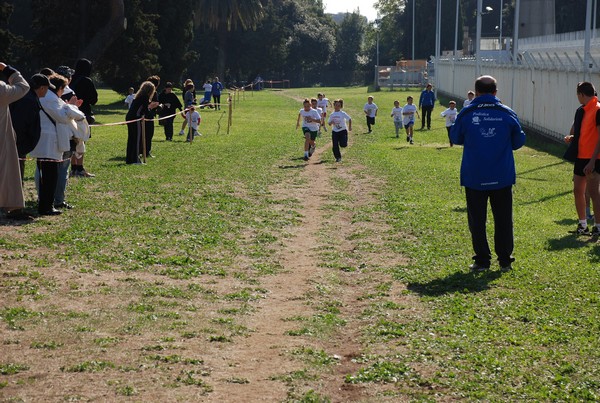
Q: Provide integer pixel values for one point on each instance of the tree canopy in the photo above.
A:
(236, 39)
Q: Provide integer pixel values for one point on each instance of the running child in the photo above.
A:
(314, 104)
(408, 118)
(339, 130)
(450, 115)
(397, 115)
(370, 110)
(311, 121)
(322, 103)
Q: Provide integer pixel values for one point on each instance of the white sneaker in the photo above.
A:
(181, 133)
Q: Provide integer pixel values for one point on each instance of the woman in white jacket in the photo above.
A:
(56, 118)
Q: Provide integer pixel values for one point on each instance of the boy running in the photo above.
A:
(408, 113)
(371, 112)
(311, 121)
(450, 115)
(322, 103)
(397, 115)
(339, 132)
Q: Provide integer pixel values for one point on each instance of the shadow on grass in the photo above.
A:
(546, 198)
(570, 241)
(459, 282)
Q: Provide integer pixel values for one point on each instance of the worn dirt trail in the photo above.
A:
(264, 356)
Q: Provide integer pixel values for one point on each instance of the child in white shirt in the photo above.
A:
(130, 97)
(371, 112)
(339, 130)
(193, 121)
(397, 115)
(408, 118)
(450, 115)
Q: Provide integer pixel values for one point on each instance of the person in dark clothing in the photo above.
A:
(151, 114)
(25, 115)
(170, 103)
(217, 87)
(490, 132)
(84, 87)
(426, 104)
(138, 109)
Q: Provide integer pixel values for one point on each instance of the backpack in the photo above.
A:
(25, 116)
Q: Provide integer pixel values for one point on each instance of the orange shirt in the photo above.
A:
(588, 137)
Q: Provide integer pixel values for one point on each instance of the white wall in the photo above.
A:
(543, 98)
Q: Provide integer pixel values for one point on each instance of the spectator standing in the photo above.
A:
(489, 131)
(217, 87)
(426, 104)
(207, 92)
(130, 97)
(25, 115)
(139, 107)
(151, 113)
(11, 188)
(586, 170)
(84, 87)
(171, 104)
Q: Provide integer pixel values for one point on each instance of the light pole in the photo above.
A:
(377, 22)
(413, 31)
(478, 35)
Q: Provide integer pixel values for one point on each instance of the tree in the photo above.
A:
(174, 34)
(132, 58)
(223, 16)
(106, 35)
(349, 42)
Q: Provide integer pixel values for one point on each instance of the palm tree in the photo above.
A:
(223, 16)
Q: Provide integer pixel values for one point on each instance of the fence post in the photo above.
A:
(229, 119)
(143, 139)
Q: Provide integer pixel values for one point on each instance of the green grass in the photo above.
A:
(188, 240)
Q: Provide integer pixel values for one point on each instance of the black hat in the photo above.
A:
(40, 80)
(169, 84)
(65, 71)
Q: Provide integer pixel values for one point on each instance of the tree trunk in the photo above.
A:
(222, 52)
(108, 34)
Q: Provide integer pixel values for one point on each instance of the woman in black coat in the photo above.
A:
(139, 107)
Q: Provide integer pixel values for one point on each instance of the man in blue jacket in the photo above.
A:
(426, 104)
(489, 131)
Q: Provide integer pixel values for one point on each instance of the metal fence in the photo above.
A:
(540, 85)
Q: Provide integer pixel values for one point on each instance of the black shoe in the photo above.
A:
(64, 205)
(19, 215)
(305, 158)
(477, 268)
(52, 211)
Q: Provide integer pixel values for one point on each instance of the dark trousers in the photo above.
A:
(168, 125)
(217, 101)
(448, 130)
(47, 184)
(339, 139)
(149, 136)
(426, 113)
(134, 139)
(501, 202)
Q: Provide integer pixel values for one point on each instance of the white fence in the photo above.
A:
(540, 87)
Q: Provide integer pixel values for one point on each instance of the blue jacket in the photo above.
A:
(427, 98)
(490, 132)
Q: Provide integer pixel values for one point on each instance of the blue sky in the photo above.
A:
(365, 6)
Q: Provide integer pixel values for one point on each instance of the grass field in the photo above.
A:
(167, 282)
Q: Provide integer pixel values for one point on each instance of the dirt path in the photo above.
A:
(263, 358)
